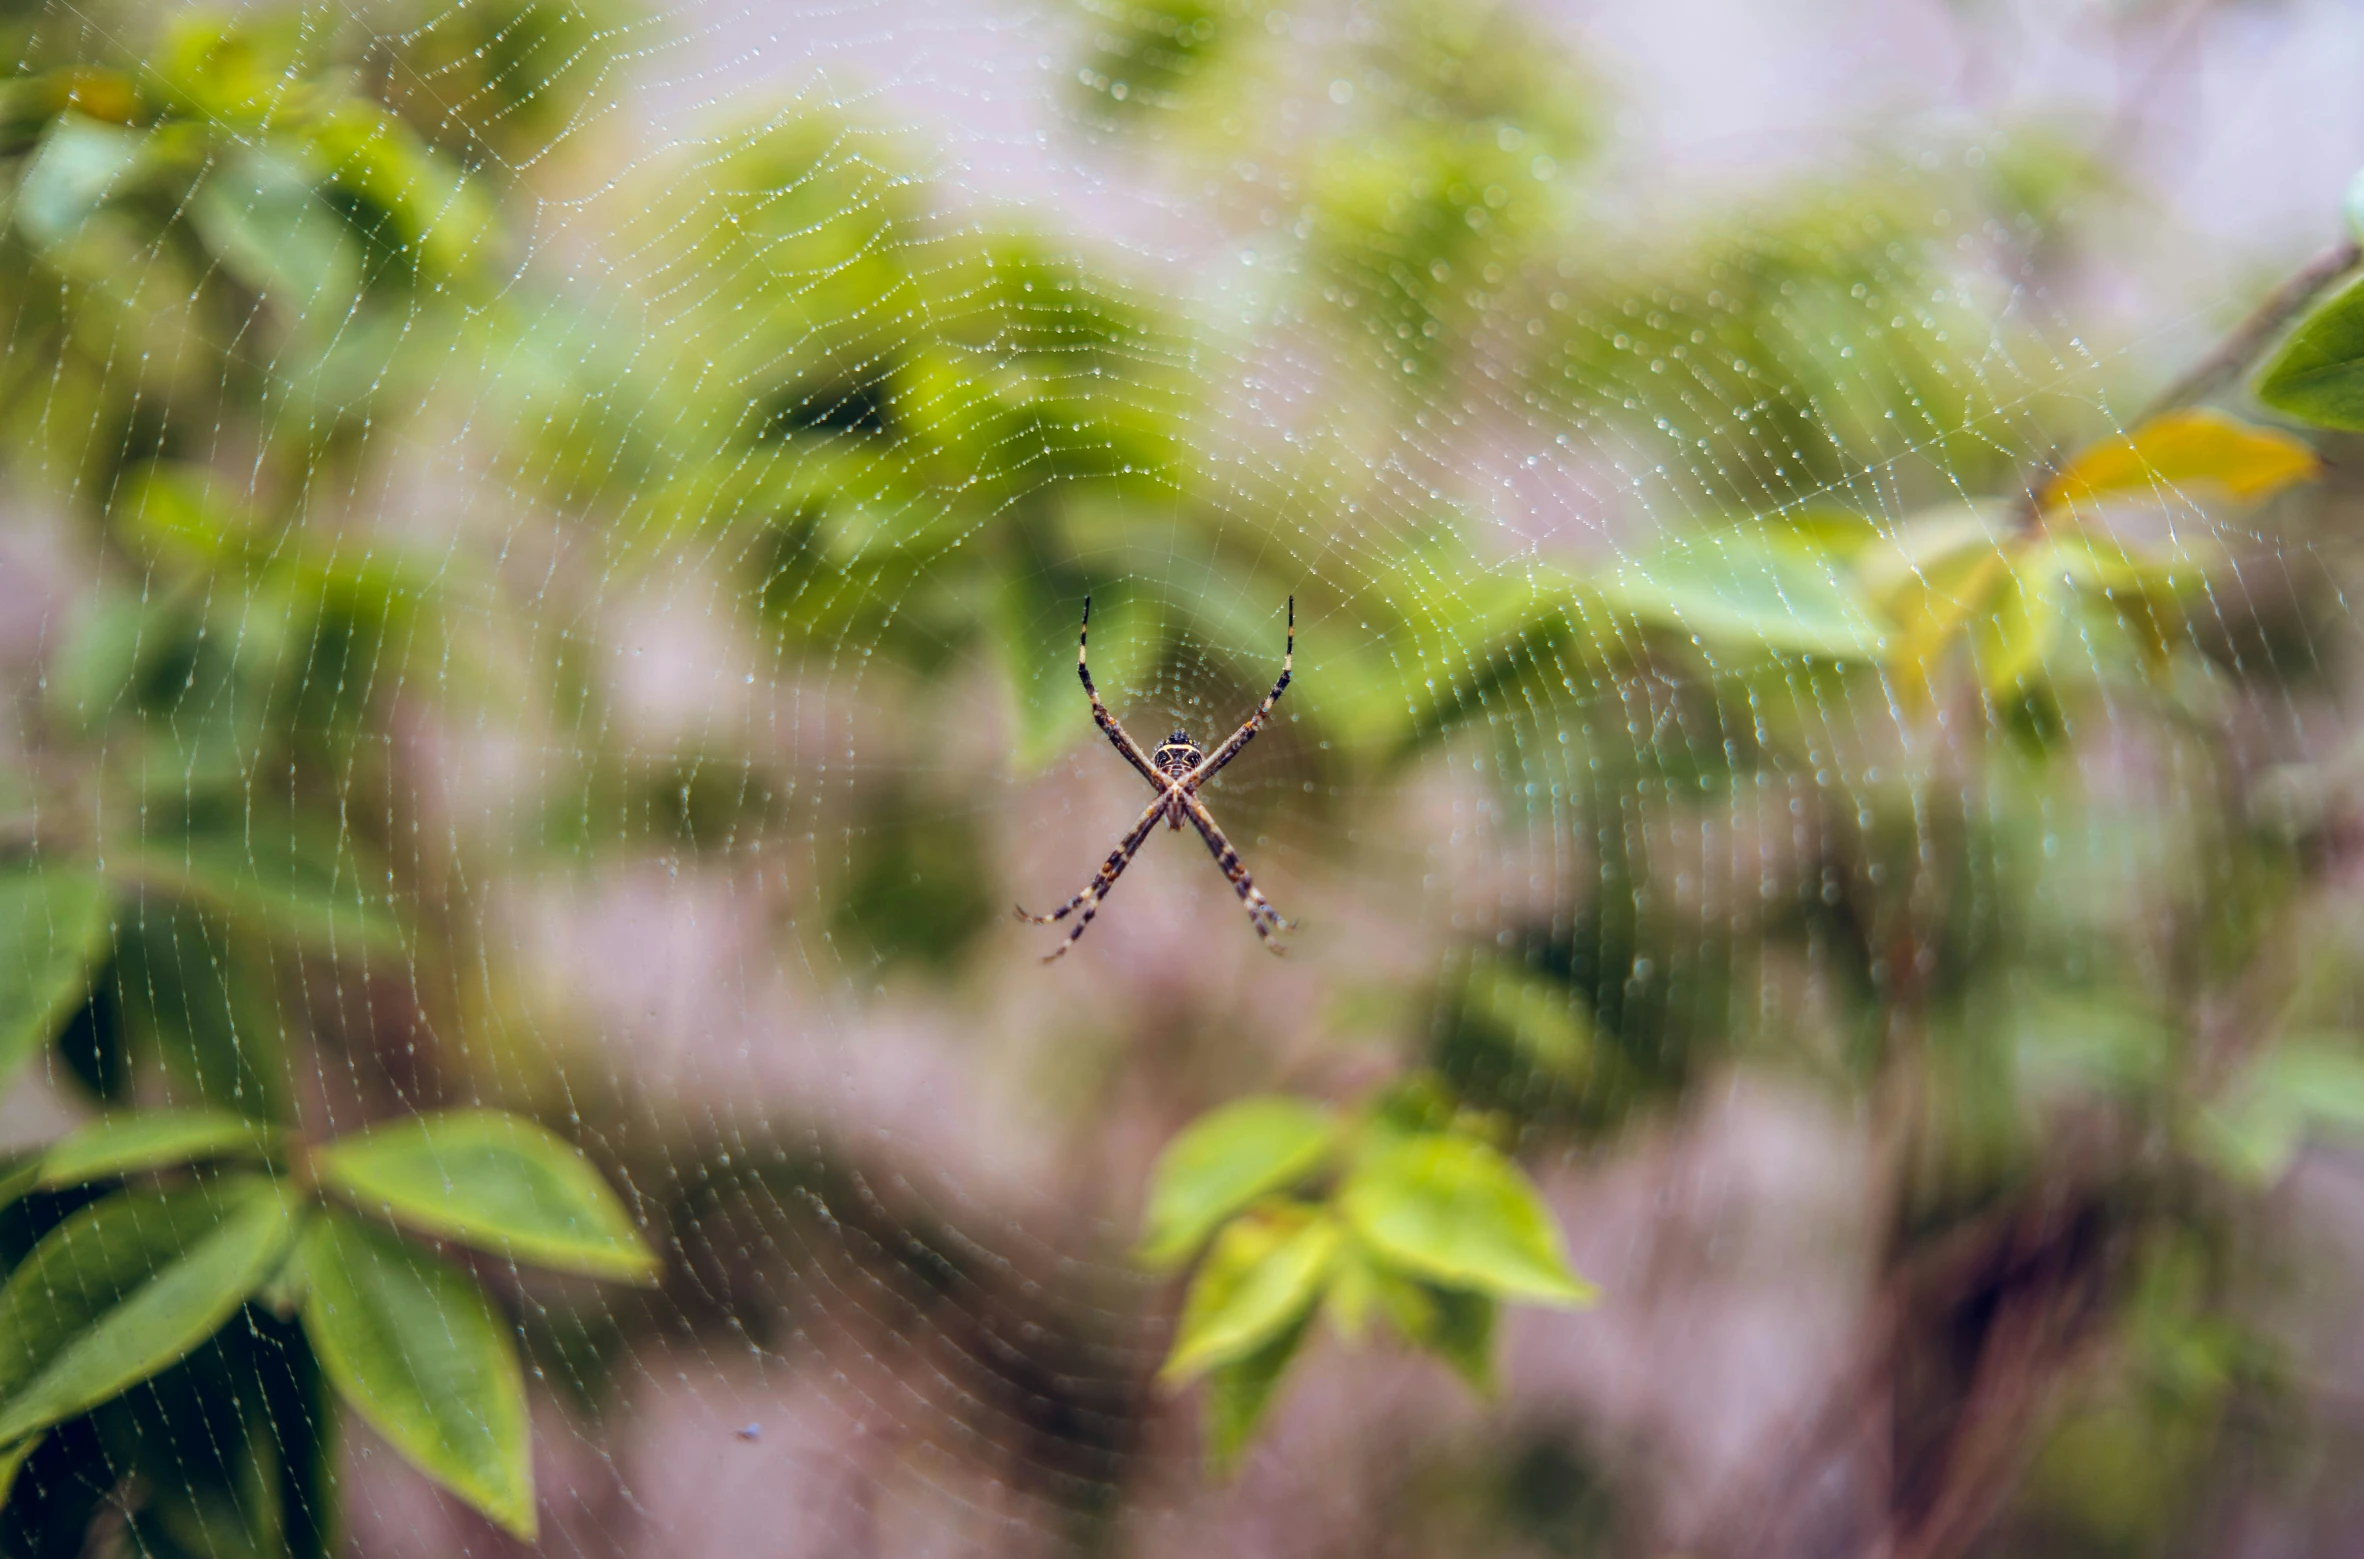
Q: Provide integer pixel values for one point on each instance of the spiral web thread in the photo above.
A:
(818, 359)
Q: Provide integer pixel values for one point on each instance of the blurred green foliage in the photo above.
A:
(1914, 665)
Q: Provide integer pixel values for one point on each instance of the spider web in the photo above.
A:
(820, 359)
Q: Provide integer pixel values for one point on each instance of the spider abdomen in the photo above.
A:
(1177, 755)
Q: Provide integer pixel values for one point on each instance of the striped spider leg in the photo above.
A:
(1107, 722)
(1111, 869)
(1177, 767)
(1261, 914)
(1205, 770)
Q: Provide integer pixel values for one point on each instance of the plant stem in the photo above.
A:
(2241, 347)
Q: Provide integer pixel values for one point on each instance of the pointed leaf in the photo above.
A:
(1455, 1325)
(1459, 1214)
(1263, 1274)
(53, 936)
(1736, 588)
(414, 1346)
(2183, 449)
(1224, 1160)
(126, 1287)
(492, 1180)
(150, 1139)
(194, 996)
(1239, 1393)
(280, 892)
(2318, 375)
(1463, 1335)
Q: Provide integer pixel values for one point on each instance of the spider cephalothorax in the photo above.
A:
(1177, 768)
(1175, 758)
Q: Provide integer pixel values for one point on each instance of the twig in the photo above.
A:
(2240, 348)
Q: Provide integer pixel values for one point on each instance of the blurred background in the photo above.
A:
(613, 484)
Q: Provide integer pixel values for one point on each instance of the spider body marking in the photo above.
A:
(1176, 770)
(1175, 757)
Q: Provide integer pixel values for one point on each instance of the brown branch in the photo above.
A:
(2241, 346)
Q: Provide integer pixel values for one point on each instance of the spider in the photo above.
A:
(1177, 768)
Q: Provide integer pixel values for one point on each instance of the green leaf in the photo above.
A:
(1224, 1160)
(53, 936)
(2017, 627)
(149, 1139)
(2308, 1084)
(282, 1291)
(1935, 571)
(12, 1462)
(1034, 629)
(311, 893)
(81, 162)
(431, 209)
(229, 68)
(194, 996)
(2113, 566)
(1454, 1324)
(173, 511)
(418, 1351)
(1463, 1334)
(1239, 1393)
(222, 1499)
(2088, 1043)
(1264, 1273)
(1459, 1214)
(124, 1288)
(493, 1180)
(1543, 1019)
(111, 644)
(1353, 1292)
(2318, 375)
(260, 213)
(1735, 587)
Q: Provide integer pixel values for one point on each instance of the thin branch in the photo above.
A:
(2241, 347)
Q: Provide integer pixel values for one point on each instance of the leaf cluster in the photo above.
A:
(130, 1285)
(1400, 1212)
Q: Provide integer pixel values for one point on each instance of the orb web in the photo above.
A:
(741, 424)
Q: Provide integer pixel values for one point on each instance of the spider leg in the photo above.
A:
(1261, 914)
(1097, 889)
(1247, 733)
(1106, 721)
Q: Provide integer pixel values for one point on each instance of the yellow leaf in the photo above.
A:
(1263, 1273)
(2184, 449)
(1931, 576)
(2115, 567)
(2015, 631)
(1924, 545)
